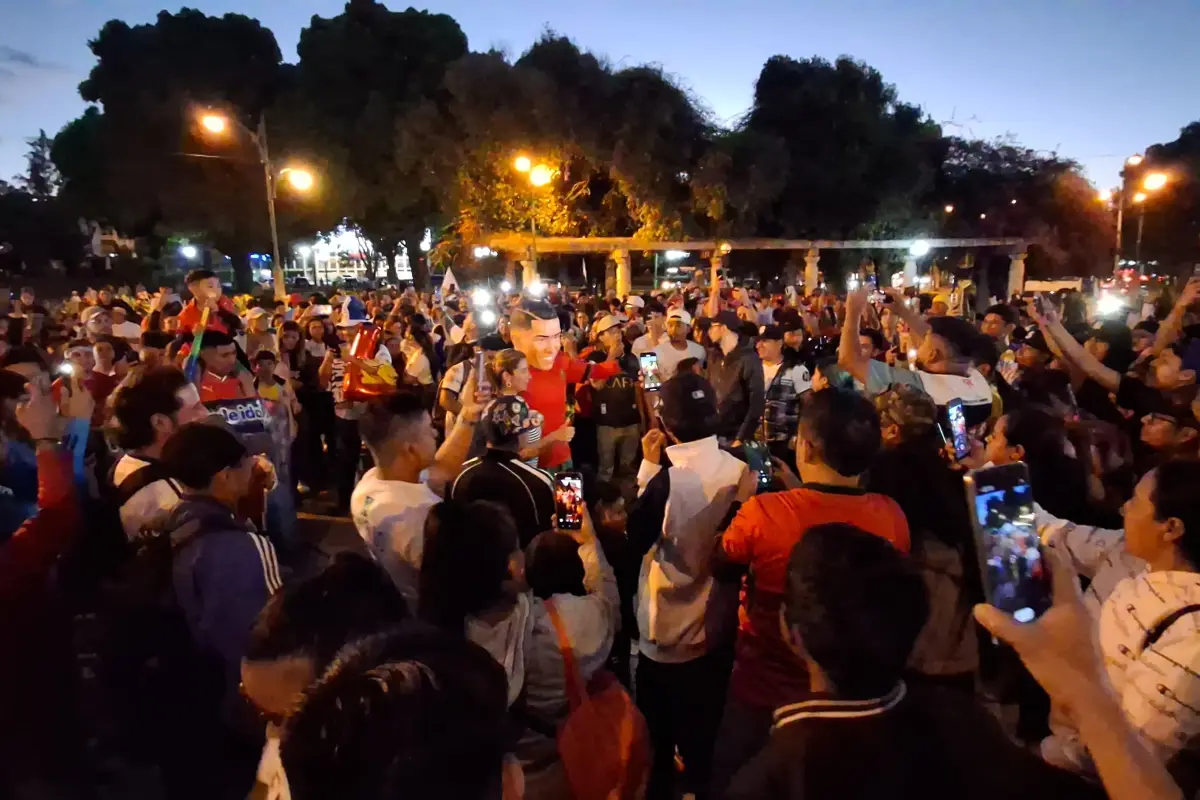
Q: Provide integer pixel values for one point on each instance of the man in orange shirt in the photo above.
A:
(221, 378)
(839, 435)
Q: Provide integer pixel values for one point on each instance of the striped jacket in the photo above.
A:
(1149, 632)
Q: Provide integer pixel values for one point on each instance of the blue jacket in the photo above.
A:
(223, 574)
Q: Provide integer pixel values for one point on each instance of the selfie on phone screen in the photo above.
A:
(1014, 573)
(568, 500)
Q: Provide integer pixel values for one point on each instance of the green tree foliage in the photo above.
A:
(999, 189)
(360, 73)
(40, 179)
(1172, 228)
(151, 82)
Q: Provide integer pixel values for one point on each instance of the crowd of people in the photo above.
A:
(700, 541)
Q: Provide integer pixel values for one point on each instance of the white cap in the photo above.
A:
(635, 300)
(680, 314)
(256, 312)
(605, 322)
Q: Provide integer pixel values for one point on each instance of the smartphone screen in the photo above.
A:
(758, 458)
(958, 428)
(649, 365)
(568, 500)
(1010, 555)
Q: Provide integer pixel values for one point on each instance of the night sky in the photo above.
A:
(1095, 80)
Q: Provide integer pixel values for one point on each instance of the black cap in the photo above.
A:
(687, 398)
(772, 332)
(729, 319)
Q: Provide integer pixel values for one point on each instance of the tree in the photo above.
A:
(360, 73)
(41, 179)
(132, 156)
(999, 189)
(852, 147)
(1172, 227)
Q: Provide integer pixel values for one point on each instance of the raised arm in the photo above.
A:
(850, 356)
(1172, 326)
(1073, 351)
(917, 326)
(453, 453)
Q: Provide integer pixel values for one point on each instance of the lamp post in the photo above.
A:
(298, 178)
(539, 175)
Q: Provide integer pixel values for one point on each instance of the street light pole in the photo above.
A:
(1137, 247)
(264, 155)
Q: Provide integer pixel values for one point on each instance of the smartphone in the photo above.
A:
(481, 373)
(323, 311)
(66, 368)
(1010, 555)
(958, 428)
(758, 458)
(649, 366)
(568, 500)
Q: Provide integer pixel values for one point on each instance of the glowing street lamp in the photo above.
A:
(1104, 195)
(919, 248)
(189, 251)
(1140, 197)
(1154, 181)
(523, 164)
(298, 178)
(540, 175)
(949, 209)
(1135, 159)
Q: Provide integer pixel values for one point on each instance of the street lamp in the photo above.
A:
(1135, 159)
(539, 175)
(949, 209)
(298, 178)
(1104, 195)
(189, 251)
(1154, 181)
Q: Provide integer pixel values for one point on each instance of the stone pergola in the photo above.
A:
(513, 246)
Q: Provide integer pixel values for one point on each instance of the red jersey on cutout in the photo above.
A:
(547, 393)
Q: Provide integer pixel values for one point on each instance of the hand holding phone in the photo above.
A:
(648, 362)
(958, 429)
(1014, 573)
(568, 501)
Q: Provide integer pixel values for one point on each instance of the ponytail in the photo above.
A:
(465, 562)
(502, 362)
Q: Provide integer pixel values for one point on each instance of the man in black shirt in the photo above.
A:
(852, 609)
(500, 476)
(615, 405)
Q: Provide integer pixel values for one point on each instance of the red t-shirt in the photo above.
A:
(189, 317)
(547, 393)
(766, 673)
(214, 387)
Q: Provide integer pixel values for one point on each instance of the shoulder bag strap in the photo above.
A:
(574, 684)
(1156, 633)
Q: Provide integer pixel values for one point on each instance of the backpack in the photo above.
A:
(603, 743)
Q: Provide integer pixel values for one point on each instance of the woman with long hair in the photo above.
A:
(472, 584)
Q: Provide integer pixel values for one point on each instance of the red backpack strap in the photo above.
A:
(575, 688)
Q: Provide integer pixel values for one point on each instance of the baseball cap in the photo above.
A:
(604, 323)
(729, 319)
(256, 312)
(687, 399)
(90, 312)
(771, 332)
(680, 314)
(635, 300)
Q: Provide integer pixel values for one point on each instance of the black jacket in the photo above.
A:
(913, 742)
(737, 379)
(500, 476)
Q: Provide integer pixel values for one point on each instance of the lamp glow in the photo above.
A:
(481, 297)
(523, 164)
(487, 318)
(1154, 181)
(505, 286)
(189, 251)
(540, 175)
(949, 209)
(1109, 304)
(299, 179)
(214, 123)
(537, 289)
(919, 248)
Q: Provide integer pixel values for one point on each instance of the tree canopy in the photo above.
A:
(409, 130)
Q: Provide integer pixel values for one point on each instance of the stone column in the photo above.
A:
(620, 259)
(812, 275)
(910, 271)
(1016, 274)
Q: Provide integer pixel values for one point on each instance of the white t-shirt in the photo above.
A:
(417, 366)
(643, 344)
(669, 357)
(453, 381)
(390, 517)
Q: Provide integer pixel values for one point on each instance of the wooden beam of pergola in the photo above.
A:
(520, 243)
